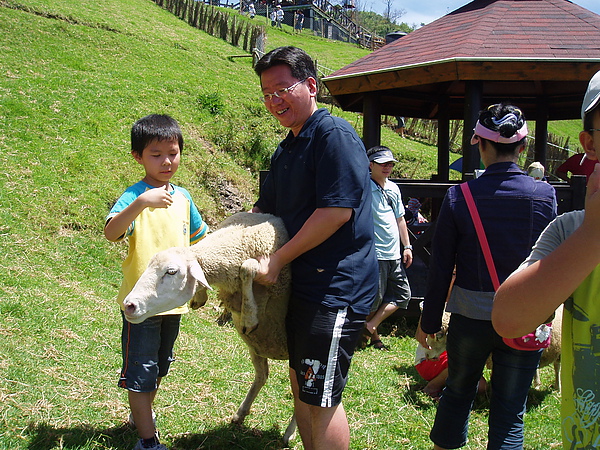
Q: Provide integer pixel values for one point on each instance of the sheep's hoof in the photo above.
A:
(237, 419)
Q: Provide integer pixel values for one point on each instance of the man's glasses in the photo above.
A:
(281, 93)
(386, 164)
(593, 129)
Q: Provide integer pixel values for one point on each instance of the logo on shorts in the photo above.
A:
(312, 370)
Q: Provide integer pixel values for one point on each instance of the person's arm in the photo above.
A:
(530, 295)
(117, 226)
(321, 225)
(562, 175)
(440, 274)
(568, 166)
(407, 254)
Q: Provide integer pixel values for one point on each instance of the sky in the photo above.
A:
(426, 11)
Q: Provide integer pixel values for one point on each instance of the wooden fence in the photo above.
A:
(218, 23)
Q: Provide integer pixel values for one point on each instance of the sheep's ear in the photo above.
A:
(198, 274)
(201, 295)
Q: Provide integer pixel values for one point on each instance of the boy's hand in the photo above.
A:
(157, 198)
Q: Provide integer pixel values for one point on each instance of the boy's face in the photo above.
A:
(160, 160)
(590, 140)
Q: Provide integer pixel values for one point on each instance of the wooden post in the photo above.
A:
(371, 121)
(541, 132)
(443, 141)
(473, 94)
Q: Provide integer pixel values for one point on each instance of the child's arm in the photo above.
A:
(530, 295)
(117, 226)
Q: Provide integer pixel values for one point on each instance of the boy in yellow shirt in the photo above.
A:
(153, 215)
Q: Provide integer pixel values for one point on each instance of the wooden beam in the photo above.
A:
(371, 121)
(443, 141)
(472, 107)
(541, 131)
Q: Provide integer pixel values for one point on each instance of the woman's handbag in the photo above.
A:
(540, 338)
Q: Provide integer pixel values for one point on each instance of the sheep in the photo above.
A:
(225, 259)
(551, 354)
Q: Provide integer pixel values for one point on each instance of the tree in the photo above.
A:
(378, 24)
(392, 15)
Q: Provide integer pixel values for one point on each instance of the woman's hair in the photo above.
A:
(509, 122)
(155, 127)
(299, 62)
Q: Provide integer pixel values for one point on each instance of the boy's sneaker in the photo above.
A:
(131, 422)
(139, 446)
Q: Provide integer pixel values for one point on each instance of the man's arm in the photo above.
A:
(407, 254)
(530, 295)
(562, 175)
(321, 225)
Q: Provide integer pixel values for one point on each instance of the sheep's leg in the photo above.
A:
(537, 382)
(261, 373)
(557, 374)
(290, 430)
(249, 314)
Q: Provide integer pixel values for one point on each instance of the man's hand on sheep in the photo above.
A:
(270, 267)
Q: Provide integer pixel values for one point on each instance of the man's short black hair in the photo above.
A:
(299, 62)
(155, 127)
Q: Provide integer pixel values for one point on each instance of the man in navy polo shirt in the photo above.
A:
(319, 185)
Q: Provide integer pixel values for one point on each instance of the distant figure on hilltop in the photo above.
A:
(298, 21)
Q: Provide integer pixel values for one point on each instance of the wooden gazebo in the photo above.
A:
(537, 54)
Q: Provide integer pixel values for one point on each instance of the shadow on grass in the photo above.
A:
(225, 437)
(230, 437)
(44, 436)
(414, 394)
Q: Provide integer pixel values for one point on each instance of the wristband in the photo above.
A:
(408, 247)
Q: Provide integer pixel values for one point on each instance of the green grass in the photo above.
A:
(74, 76)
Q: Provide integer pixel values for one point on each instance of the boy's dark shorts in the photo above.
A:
(147, 351)
(321, 342)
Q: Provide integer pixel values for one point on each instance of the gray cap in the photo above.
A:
(592, 95)
(382, 156)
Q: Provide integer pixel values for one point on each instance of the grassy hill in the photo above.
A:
(74, 76)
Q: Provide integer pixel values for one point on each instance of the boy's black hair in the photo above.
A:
(489, 117)
(299, 62)
(154, 127)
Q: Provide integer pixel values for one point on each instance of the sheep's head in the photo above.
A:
(437, 343)
(170, 280)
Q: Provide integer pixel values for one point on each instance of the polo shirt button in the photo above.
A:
(285, 166)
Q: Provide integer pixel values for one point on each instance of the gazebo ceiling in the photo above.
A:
(523, 51)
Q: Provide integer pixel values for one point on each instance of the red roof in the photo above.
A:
(501, 40)
(494, 29)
